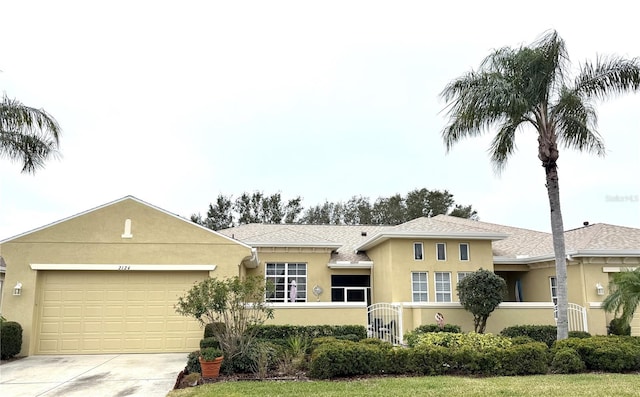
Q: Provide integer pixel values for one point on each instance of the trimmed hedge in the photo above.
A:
(541, 333)
(343, 358)
(411, 336)
(271, 332)
(567, 361)
(605, 353)
(10, 339)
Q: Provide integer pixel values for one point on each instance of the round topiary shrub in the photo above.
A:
(10, 339)
(618, 326)
(567, 361)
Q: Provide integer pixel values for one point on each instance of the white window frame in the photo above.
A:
(288, 276)
(460, 252)
(415, 257)
(423, 283)
(444, 251)
(442, 287)
(553, 289)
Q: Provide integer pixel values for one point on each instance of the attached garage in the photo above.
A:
(114, 312)
(106, 280)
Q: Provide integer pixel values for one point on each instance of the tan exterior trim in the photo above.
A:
(503, 305)
(120, 267)
(350, 265)
(616, 269)
(318, 305)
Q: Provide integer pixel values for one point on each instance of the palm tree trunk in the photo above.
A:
(557, 231)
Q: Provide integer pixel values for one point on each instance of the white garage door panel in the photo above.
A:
(114, 312)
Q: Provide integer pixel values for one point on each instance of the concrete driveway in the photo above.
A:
(92, 375)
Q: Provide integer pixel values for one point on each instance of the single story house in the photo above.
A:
(106, 280)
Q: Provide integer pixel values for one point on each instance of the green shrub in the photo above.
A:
(606, 353)
(521, 340)
(525, 359)
(346, 358)
(10, 339)
(579, 334)
(209, 329)
(618, 326)
(429, 360)
(209, 342)
(397, 361)
(411, 337)
(540, 333)
(471, 340)
(210, 353)
(567, 361)
(271, 332)
(193, 363)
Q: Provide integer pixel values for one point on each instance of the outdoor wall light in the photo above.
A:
(599, 289)
(317, 291)
(17, 290)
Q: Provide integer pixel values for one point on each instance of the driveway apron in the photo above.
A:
(92, 375)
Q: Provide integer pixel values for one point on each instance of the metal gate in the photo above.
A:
(577, 317)
(385, 322)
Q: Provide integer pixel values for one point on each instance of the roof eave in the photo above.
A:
(382, 237)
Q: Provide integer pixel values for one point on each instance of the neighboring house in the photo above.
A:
(106, 280)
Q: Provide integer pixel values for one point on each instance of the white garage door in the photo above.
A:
(114, 312)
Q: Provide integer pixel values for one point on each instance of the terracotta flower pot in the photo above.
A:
(210, 369)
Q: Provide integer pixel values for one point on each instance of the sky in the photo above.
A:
(178, 102)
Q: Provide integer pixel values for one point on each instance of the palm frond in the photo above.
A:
(27, 135)
(503, 145)
(607, 76)
(625, 294)
(575, 122)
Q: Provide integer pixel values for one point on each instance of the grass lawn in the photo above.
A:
(582, 385)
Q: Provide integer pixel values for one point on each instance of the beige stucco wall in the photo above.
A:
(320, 314)
(318, 271)
(96, 238)
(507, 314)
(394, 261)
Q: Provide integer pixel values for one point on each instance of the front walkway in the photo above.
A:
(92, 375)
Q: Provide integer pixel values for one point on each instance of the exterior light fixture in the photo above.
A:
(317, 291)
(17, 290)
(599, 289)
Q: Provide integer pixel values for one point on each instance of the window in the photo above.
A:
(553, 284)
(350, 288)
(419, 286)
(418, 252)
(443, 286)
(464, 252)
(281, 276)
(441, 251)
(462, 275)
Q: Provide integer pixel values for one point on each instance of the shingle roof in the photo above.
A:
(519, 243)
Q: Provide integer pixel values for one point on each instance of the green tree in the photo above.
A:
(27, 135)
(462, 211)
(357, 211)
(389, 210)
(528, 87)
(237, 303)
(480, 293)
(624, 294)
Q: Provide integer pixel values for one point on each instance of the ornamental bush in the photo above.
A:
(618, 326)
(567, 361)
(10, 339)
(346, 358)
(470, 340)
(540, 333)
(411, 336)
(606, 353)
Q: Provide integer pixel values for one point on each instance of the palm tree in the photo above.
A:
(528, 86)
(27, 135)
(624, 294)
